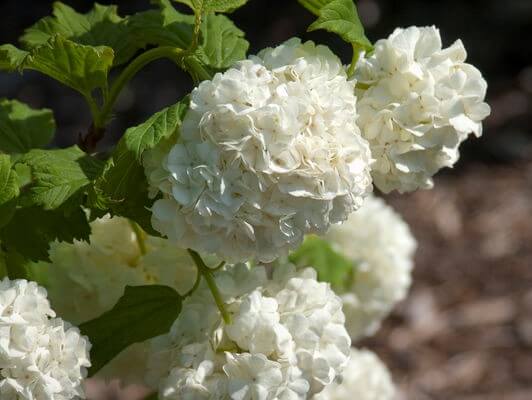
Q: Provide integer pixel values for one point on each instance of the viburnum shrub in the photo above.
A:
(230, 246)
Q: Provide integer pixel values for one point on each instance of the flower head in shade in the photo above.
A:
(380, 245)
(368, 259)
(365, 378)
(86, 279)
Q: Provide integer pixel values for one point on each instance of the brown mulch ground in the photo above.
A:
(465, 332)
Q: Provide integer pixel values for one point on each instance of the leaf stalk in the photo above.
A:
(206, 273)
(173, 53)
(139, 236)
(357, 51)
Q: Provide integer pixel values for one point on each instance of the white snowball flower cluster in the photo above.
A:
(286, 341)
(365, 378)
(86, 279)
(422, 102)
(382, 248)
(41, 357)
(269, 151)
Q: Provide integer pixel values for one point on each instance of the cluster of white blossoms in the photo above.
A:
(41, 357)
(418, 102)
(286, 341)
(382, 248)
(84, 280)
(365, 378)
(269, 151)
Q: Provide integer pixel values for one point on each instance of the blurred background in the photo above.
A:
(465, 332)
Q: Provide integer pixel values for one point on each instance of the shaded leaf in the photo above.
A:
(16, 265)
(331, 266)
(3, 266)
(141, 313)
(31, 229)
(8, 189)
(163, 27)
(23, 128)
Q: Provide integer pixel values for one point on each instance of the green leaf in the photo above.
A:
(16, 265)
(31, 230)
(163, 27)
(222, 43)
(209, 6)
(340, 17)
(23, 128)
(8, 180)
(83, 68)
(141, 313)
(122, 189)
(11, 57)
(159, 126)
(332, 266)
(123, 186)
(8, 189)
(101, 26)
(3, 264)
(58, 176)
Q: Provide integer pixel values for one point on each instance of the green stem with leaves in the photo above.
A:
(93, 106)
(173, 53)
(206, 273)
(196, 70)
(197, 26)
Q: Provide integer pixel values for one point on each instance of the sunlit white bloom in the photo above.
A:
(194, 383)
(23, 303)
(269, 151)
(381, 247)
(313, 315)
(365, 378)
(421, 102)
(86, 279)
(286, 340)
(257, 326)
(252, 377)
(40, 358)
